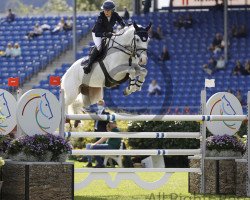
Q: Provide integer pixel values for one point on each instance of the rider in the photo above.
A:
(103, 28)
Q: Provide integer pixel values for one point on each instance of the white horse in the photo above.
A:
(125, 57)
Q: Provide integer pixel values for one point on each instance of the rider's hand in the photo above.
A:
(108, 35)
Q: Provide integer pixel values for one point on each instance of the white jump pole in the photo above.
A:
(157, 117)
(137, 152)
(135, 170)
(133, 134)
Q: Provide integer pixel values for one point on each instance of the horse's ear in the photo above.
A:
(135, 26)
(149, 26)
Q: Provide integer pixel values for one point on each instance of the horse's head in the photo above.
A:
(44, 107)
(4, 109)
(141, 40)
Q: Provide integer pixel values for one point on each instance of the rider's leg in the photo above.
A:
(94, 53)
(92, 58)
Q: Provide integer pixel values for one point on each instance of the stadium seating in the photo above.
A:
(182, 78)
(38, 52)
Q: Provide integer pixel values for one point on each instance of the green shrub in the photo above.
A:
(171, 161)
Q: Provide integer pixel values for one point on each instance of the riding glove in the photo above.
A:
(108, 35)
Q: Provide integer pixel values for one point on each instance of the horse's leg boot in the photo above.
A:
(92, 58)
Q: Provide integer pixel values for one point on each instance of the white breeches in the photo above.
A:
(97, 41)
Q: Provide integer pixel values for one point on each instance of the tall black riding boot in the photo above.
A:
(94, 54)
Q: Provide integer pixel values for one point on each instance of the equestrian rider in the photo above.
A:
(103, 28)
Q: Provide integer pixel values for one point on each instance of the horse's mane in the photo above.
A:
(125, 30)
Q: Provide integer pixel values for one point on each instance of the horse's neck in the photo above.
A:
(125, 39)
(122, 50)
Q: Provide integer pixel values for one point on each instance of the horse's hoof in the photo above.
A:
(76, 123)
(125, 93)
(138, 89)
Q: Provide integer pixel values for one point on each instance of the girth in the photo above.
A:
(109, 81)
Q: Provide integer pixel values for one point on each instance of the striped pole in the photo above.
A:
(134, 134)
(126, 117)
(137, 152)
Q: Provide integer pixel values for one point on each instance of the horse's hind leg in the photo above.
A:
(94, 94)
(76, 107)
(70, 96)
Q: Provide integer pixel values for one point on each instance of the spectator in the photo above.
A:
(147, 5)
(216, 45)
(210, 67)
(99, 126)
(11, 16)
(242, 31)
(221, 63)
(59, 26)
(186, 110)
(239, 96)
(234, 31)
(238, 69)
(239, 32)
(126, 15)
(37, 31)
(16, 50)
(247, 68)
(159, 32)
(106, 143)
(188, 22)
(180, 22)
(165, 54)
(229, 91)
(218, 6)
(45, 27)
(154, 88)
(68, 25)
(155, 34)
(222, 46)
(9, 50)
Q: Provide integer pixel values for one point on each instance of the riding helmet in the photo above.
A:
(108, 5)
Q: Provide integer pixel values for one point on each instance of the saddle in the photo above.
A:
(109, 81)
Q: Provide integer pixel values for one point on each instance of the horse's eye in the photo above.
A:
(4, 104)
(137, 40)
(46, 104)
(227, 104)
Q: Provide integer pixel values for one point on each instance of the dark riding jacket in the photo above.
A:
(103, 26)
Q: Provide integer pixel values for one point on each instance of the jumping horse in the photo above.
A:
(125, 57)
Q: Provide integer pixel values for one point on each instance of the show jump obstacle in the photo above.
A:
(38, 112)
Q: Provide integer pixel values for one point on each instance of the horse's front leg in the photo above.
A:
(131, 88)
(141, 73)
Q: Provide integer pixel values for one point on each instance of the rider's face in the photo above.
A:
(108, 13)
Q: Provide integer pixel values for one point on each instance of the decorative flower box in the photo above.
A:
(38, 181)
(219, 176)
(241, 177)
(223, 153)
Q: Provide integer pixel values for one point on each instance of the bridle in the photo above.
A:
(133, 50)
